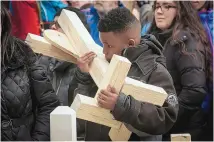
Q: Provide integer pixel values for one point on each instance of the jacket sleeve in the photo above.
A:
(45, 100)
(80, 83)
(191, 68)
(146, 117)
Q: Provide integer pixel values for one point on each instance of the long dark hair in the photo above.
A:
(13, 50)
(5, 35)
(186, 18)
(208, 5)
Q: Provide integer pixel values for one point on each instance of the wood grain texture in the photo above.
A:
(60, 41)
(121, 134)
(115, 74)
(40, 45)
(181, 137)
(87, 109)
(83, 43)
(102, 73)
(144, 92)
(74, 29)
(135, 88)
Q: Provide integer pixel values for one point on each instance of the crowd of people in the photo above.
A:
(169, 43)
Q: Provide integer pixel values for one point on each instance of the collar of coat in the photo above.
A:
(146, 54)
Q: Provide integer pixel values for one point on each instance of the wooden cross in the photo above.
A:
(76, 42)
(180, 137)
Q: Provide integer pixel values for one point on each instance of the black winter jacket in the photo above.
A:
(186, 62)
(60, 73)
(27, 98)
(144, 119)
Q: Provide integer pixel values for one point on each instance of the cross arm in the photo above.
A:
(40, 45)
(75, 31)
(79, 37)
(140, 91)
(87, 109)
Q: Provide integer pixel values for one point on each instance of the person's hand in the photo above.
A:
(84, 62)
(107, 98)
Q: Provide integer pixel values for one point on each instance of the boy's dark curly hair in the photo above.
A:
(117, 20)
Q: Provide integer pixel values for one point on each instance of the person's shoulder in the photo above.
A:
(188, 44)
(161, 77)
(183, 34)
(185, 39)
(25, 50)
(161, 69)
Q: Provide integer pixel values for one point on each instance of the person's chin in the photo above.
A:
(160, 25)
(195, 6)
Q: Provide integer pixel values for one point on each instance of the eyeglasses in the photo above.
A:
(163, 8)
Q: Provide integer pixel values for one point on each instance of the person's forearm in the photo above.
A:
(145, 117)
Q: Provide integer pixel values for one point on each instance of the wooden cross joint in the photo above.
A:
(75, 42)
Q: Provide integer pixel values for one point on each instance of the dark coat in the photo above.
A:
(186, 62)
(60, 73)
(147, 120)
(27, 98)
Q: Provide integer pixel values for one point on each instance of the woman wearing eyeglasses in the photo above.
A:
(186, 48)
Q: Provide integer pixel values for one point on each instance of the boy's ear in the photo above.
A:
(131, 42)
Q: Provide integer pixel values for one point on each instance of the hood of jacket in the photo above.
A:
(148, 42)
(148, 49)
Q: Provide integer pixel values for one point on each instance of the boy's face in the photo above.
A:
(112, 44)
